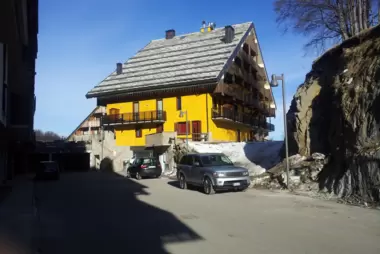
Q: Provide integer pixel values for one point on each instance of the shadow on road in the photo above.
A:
(98, 212)
(189, 187)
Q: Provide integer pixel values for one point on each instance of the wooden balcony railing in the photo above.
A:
(240, 117)
(157, 116)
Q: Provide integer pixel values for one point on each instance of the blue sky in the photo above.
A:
(81, 41)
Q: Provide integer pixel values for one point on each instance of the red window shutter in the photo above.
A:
(180, 128)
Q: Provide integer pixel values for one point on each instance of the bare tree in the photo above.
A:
(47, 136)
(327, 22)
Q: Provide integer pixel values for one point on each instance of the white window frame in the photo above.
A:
(3, 82)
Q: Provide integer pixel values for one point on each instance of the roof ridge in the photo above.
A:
(192, 33)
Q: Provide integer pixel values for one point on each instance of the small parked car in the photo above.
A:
(48, 170)
(212, 171)
(144, 167)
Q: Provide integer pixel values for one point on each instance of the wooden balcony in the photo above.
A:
(92, 123)
(232, 90)
(157, 116)
(229, 115)
(267, 110)
(238, 93)
(261, 75)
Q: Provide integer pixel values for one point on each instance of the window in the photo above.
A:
(180, 128)
(147, 161)
(197, 130)
(136, 111)
(185, 160)
(138, 132)
(159, 109)
(215, 160)
(159, 105)
(114, 111)
(179, 103)
(196, 161)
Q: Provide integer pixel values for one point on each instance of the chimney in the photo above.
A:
(119, 68)
(229, 34)
(169, 34)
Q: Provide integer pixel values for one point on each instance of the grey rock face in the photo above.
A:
(336, 112)
(302, 171)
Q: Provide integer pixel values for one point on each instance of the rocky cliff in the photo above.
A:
(336, 112)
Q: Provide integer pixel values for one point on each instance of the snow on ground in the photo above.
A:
(255, 156)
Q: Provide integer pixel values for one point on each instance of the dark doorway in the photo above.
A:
(160, 128)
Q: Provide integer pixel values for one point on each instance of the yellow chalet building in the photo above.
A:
(214, 80)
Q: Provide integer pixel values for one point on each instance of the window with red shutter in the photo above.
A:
(180, 128)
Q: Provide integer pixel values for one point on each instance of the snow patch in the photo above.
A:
(257, 157)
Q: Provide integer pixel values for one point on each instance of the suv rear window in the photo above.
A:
(148, 161)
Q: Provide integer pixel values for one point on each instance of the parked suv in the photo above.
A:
(212, 171)
(144, 167)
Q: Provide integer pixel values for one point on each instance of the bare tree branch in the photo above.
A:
(326, 21)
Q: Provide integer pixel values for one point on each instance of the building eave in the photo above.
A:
(265, 69)
(140, 90)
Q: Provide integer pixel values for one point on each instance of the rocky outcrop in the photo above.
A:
(336, 112)
(303, 173)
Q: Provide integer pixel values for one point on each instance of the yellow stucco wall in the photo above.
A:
(196, 107)
(194, 104)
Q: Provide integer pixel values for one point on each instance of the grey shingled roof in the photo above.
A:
(188, 58)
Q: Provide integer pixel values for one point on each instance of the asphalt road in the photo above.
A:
(106, 213)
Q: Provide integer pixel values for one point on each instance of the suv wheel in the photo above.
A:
(207, 186)
(182, 182)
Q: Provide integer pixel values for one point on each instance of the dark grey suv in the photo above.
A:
(212, 171)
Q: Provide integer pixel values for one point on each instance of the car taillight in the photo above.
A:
(143, 166)
(159, 165)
